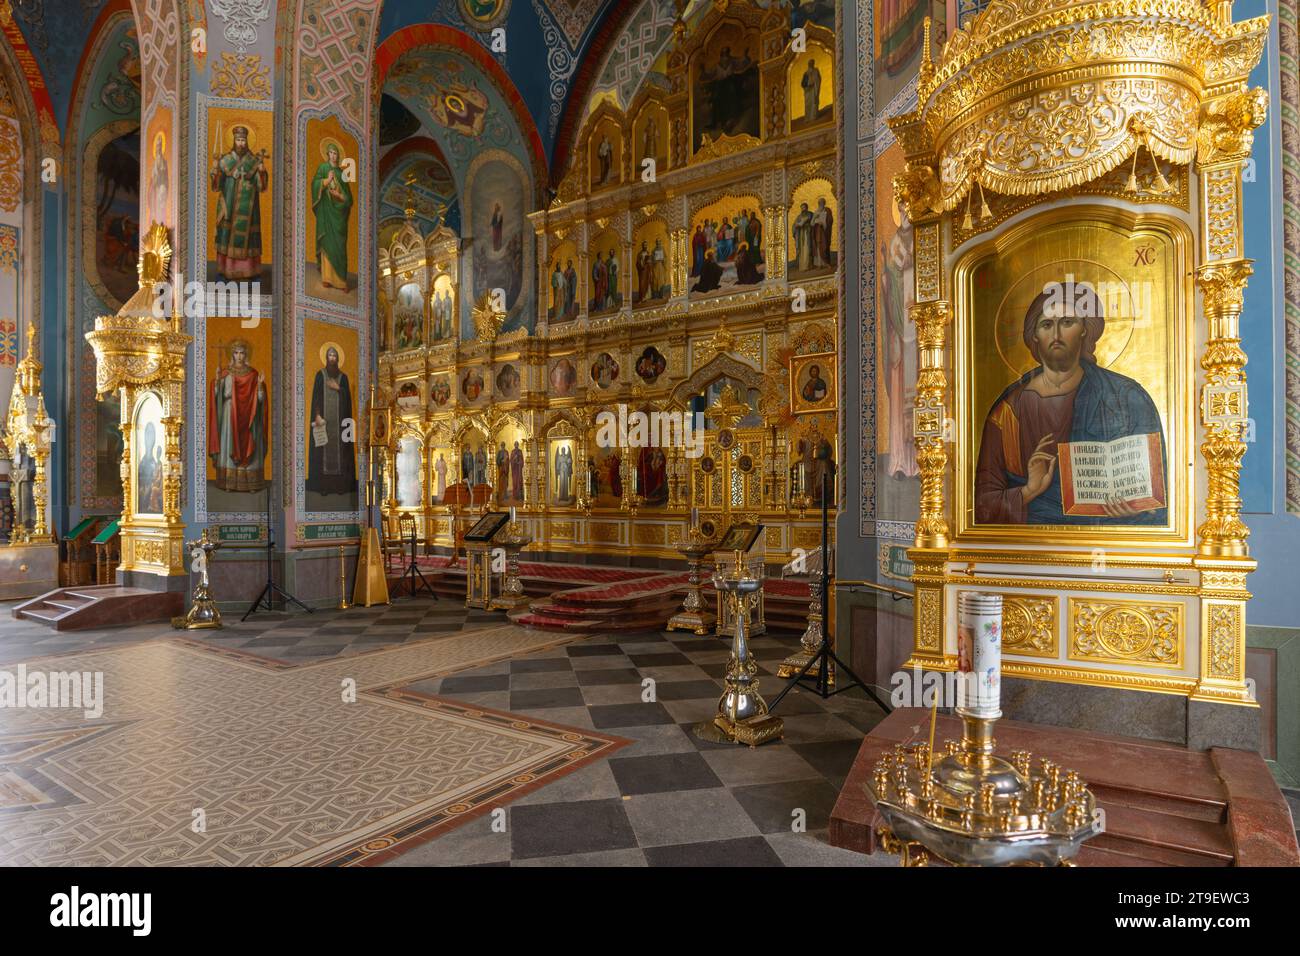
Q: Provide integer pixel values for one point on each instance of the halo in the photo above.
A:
(325, 143)
(159, 137)
(1009, 323)
(332, 345)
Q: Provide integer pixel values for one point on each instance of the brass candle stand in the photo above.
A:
(811, 641)
(976, 809)
(693, 617)
(512, 588)
(742, 716)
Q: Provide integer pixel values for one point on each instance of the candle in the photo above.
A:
(979, 651)
(512, 513)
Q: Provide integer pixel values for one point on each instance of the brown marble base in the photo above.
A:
(27, 570)
(1165, 805)
(99, 606)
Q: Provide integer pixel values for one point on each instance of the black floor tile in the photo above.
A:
(561, 829)
(662, 773)
(475, 685)
(609, 675)
(772, 805)
(593, 650)
(833, 758)
(546, 697)
(746, 851)
(687, 690)
(540, 665)
(609, 716)
(659, 660)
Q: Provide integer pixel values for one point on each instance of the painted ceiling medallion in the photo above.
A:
(484, 14)
(241, 19)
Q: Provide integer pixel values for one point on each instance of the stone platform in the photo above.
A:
(1165, 805)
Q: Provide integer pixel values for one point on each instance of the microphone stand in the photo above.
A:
(271, 588)
(825, 656)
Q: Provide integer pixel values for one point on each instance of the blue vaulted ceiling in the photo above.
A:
(545, 43)
(57, 32)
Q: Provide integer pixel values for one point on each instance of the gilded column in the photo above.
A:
(930, 414)
(1223, 407)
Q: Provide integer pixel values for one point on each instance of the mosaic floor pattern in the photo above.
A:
(210, 755)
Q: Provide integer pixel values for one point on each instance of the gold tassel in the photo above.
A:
(1160, 184)
(985, 212)
(966, 224)
(1132, 185)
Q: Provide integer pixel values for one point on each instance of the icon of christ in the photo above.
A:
(1071, 442)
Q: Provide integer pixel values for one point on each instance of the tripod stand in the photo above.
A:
(271, 588)
(825, 656)
(413, 578)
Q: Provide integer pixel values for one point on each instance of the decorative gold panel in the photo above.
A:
(605, 533)
(1222, 630)
(773, 539)
(562, 529)
(648, 534)
(1127, 632)
(1029, 625)
(929, 620)
(806, 537)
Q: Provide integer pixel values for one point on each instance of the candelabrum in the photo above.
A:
(203, 613)
(811, 641)
(512, 594)
(695, 546)
(742, 713)
(976, 809)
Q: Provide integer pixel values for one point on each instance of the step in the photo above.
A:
(42, 613)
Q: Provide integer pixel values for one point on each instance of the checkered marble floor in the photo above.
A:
(665, 798)
(296, 637)
(670, 798)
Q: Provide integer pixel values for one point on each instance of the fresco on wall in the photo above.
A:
(148, 461)
(811, 81)
(899, 33)
(607, 274)
(726, 246)
(237, 390)
(650, 139)
(813, 242)
(651, 279)
(898, 487)
(820, 12)
(240, 239)
(725, 86)
(108, 447)
(502, 246)
(408, 317)
(442, 309)
(117, 212)
(563, 376)
(330, 359)
(605, 154)
(330, 248)
(563, 303)
(159, 191)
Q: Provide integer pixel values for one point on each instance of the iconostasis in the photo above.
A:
(681, 352)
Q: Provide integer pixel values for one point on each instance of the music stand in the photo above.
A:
(413, 578)
(271, 587)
